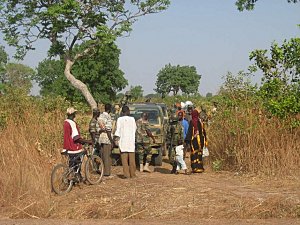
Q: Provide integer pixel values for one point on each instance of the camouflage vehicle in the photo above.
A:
(156, 120)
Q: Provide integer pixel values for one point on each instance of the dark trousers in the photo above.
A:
(105, 154)
(74, 162)
(128, 163)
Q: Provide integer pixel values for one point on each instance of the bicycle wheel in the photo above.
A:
(61, 179)
(94, 169)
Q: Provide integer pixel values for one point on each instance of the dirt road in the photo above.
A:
(164, 198)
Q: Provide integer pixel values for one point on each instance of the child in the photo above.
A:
(179, 150)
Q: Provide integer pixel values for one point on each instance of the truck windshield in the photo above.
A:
(153, 115)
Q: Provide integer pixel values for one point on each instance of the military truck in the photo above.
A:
(156, 120)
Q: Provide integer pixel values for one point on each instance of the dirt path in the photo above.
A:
(215, 198)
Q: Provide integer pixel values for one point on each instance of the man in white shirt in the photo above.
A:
(126, 128)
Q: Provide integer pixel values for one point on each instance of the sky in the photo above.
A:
(212, 36)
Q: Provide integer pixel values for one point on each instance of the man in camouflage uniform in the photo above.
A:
(176, 138)
(143, 135)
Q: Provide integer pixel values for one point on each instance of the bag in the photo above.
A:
(205, 152)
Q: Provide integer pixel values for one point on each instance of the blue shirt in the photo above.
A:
(185, 125)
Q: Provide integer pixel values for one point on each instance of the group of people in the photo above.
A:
(187, 134)
(135, 136)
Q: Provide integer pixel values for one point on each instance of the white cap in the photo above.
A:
(188, 103)
(71, 110)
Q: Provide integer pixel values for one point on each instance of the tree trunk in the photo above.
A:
(79, 85)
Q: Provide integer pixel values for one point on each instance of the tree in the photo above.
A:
(280, 88)
(71, 22)
(176, 78)
(249, 4)
(3, 61)
(209, 95)
(100, 73)
(18, 75)
(14, 74)
(136, 92)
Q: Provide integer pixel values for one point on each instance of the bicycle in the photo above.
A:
(64, 177)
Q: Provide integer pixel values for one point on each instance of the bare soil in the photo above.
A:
(163, 198)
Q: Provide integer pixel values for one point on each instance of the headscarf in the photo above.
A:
(195, 119)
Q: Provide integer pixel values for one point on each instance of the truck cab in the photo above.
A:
(156, 120)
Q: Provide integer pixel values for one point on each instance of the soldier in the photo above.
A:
(143, 142)
(176, 136)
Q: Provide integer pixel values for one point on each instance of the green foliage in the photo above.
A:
(249, 4)
(3, 61)
(208, 95)
(14, 74)
(136, 92)
(18, 75)
(217, 165)
(280, 90)
(236, 90)
(176, 78)
(69, 23)
(148, 96)
(100, 73)
(65, 23)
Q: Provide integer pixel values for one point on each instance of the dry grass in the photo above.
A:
(252, 143)
(29, 146)
(32, 139)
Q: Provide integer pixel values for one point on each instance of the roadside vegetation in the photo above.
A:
(254, 132)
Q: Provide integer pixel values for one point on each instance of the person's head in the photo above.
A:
(195, 115)
(107, 108)
(190, 108)
(180, 116)
(178, 105)
(144, 116)
(125, 110)
(71, 112)
(96, 112)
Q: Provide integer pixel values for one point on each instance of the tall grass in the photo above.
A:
(245, 139)
(31, 138)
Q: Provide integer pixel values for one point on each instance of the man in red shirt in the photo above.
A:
(72, 140)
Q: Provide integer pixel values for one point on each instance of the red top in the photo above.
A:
(71, 134)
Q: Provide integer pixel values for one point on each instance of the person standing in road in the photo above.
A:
(188, 114)
(105, 139)
(94, 130)
(184, 123)
(177, 134)
(143, 142)
(195, 136)
(125, 133)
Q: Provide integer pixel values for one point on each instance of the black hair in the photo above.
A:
(107, 107)
(125, 109)
(96, 111)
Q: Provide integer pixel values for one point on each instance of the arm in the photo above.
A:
(93, 130)
(110, 137)
(149, 133)
(108, 129)
(189, 133)
(82, 141)
(117, 132)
